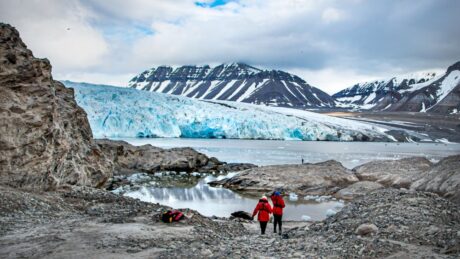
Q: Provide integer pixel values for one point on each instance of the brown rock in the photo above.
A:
(308, 179)
(357, 189)
(366, 229)
(147, 158)
(395, 173)
(45, 137)
(443, 178)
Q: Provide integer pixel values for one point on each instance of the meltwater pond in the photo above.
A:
(270, 152)
(221, 202)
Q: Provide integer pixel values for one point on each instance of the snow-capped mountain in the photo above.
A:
(233, 82)
(421, 92)
(125, 112)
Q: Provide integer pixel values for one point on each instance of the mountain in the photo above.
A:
(423, 92)
(233, 82)
(127, 112)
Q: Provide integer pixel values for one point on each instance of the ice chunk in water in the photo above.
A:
(330, 212)
(306, 218)
(293, 196)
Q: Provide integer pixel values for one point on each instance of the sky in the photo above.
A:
(332, 44)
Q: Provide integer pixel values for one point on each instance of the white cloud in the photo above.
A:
(59, 31)
(112, 40)
(331, 15)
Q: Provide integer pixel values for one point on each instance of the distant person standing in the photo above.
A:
(278, 205)
(302, 160)
(264, 210)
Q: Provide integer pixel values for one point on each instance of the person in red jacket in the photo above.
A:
(264, 209)
(278, 205)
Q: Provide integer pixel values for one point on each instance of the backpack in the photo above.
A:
(167, 217)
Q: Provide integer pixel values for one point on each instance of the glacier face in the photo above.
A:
(123, 112)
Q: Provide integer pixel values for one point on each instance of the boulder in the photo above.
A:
(394, 173)
(45, 137)
(366, 229)
(242, 215)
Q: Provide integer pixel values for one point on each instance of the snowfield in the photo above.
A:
(115, 112)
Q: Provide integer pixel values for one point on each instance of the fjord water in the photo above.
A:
(221, 202)
(272, 152)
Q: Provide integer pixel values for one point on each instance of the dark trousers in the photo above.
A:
(263, 226)
(277, 221)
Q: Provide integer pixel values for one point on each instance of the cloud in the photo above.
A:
(330, 43)
(59, 31)
(331, 15)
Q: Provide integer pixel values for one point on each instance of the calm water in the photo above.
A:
(221, 202)
(269, 152)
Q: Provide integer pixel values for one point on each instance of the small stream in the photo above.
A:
(221, 202)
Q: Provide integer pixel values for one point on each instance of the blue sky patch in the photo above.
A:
(213, 4)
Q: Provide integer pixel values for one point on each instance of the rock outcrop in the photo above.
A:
(443, 179)
(395, 173)
(357, 189)
(147, 158)
(308, 179)
(45, 137)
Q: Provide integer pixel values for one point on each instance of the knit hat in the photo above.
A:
(277, 193)
(263, 197)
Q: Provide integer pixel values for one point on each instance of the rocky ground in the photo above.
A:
(81, 222)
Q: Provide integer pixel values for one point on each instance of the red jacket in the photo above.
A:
(264, 209)
(278, 204)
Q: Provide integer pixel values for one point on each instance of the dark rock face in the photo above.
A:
(45, 137)
(233, 82)
(427, 92)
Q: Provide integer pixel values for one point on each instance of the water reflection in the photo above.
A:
(222, 202)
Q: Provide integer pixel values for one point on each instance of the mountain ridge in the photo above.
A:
(233, 82)
(429, 92)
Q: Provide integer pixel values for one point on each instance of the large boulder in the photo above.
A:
(45, 137)
(394, 173)
(443, 178)
(308, 179)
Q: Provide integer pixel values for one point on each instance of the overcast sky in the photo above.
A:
(331, 44)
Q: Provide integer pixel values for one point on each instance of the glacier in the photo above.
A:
(115, 112)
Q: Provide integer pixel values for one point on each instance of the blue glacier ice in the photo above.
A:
(116, 112)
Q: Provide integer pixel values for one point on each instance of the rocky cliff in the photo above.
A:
(45, 137)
